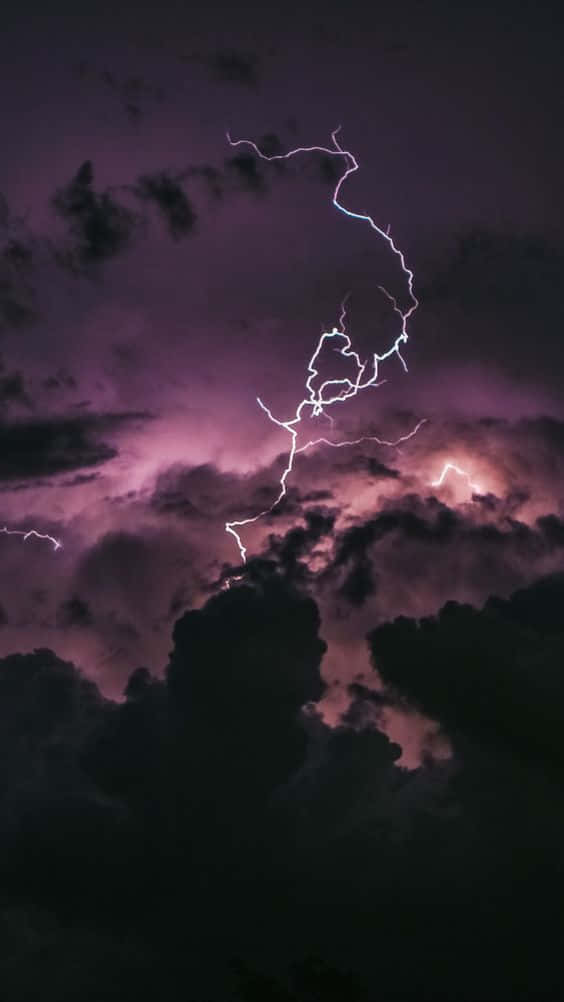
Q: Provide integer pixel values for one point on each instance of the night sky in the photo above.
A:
(332, 771)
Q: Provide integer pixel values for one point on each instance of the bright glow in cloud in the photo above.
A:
(475, 488)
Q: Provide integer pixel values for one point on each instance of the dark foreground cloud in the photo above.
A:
(216, 801)
(495, 674)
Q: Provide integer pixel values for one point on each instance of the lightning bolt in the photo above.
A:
(28, 533)
(476, 489)
(334, 391)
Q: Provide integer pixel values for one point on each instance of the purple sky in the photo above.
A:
(134, 342)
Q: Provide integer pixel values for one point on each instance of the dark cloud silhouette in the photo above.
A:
(204, 491)
(244, 645)
(13, 391)
(211, 176)
(236, 67)
(170, 198)
(74, 612)
(537, 607)
(290, 554)
(99, 226)
(136, 95)
(246, 169)
(324, 168)
(311, 497)
(39, 448)
(189, 491)
(247, 172)
(217, 796)
(48, 709)
(270, 145)
(413, 535)
(61, 380)
(17, 302)
(14, 312)
(18, 254)
(359, 582)
(491, 673)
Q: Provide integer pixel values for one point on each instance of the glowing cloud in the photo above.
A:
(475, 488)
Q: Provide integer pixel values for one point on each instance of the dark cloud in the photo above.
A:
(136, 95)
(211, 176)
(18, 254)
(61, 380)
(236, 67)
(55, 824)
(495, 267)
(13, 391)
(203, 492)
(270, 145)
(244, 644)
(415, 539)
(537, 607)
(491, 673)
(191, 491)
(14, 312)
(293, 551)
(218, 794)
(44, 447)
(48, 709)
(374, 467)
(17, 301)
(80, 479)
(74, 612)
(99, 226)
(311, 497)
(170, 198)
(359, 582)
(324, 168)
(134, 582)
(247, 171)
(208, 835)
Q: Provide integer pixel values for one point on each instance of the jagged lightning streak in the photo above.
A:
(334, 391)
(28, 533)
(461, 473)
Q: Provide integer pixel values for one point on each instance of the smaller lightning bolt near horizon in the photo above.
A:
(29, 533)
(476, 489)
(334, 391)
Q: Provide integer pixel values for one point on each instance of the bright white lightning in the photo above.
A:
(475, 488)
(28, 533)
(334, 391)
